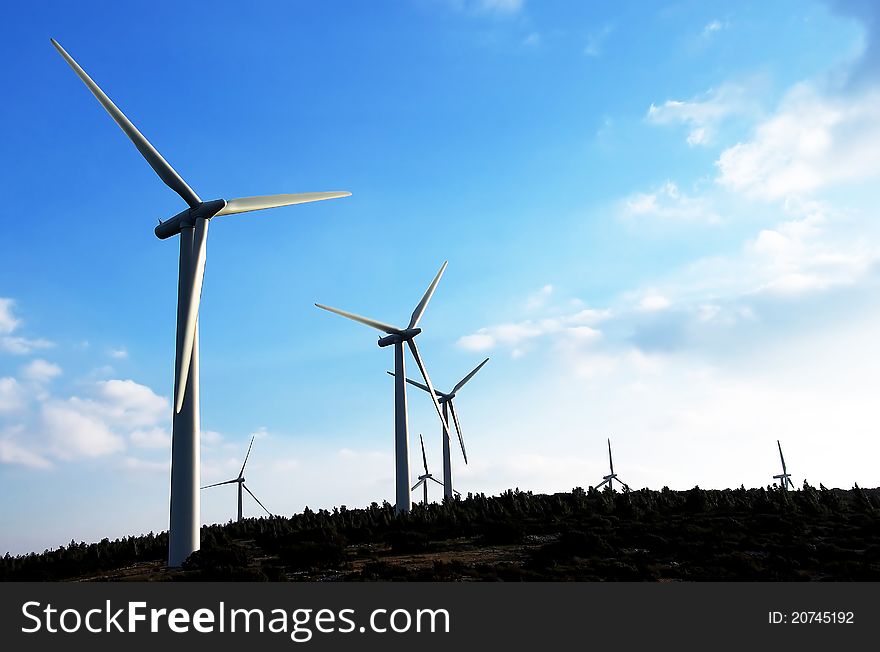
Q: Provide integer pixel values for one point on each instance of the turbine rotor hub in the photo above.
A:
(186, 219)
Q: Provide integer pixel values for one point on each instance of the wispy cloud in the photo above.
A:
(596, 41)
(668, 203)
(813, 141)
(704, 114)
(16, 344)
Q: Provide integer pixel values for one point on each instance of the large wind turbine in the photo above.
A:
(611, 476)
(241, 485)
(397, 337)
(445, 399)
(423, 479)
(784, 477)
(192, 225)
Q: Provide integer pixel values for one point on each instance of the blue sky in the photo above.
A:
(658, 219)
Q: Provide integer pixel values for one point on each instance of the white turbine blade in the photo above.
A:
(255, 498)
(241, 473)
(415, 353)
(781, 458)
(191, 314)
(262, 202)
(424, 458)
(464, 380)
(418, 484)
(603, 482)
(416, 384)
(217, 484)
(458, 430)
(420, 309)
(154, 158)
(385, 328)
(433, 479)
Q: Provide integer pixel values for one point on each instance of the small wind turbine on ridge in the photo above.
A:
(423, 479)
(611, 476)
(784, 477)
(241, 485)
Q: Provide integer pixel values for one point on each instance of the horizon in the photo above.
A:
(658, 221)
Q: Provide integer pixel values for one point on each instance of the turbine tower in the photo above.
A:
(423, 479)
(611, 476)
(397, 337)
(192, 226)
(445, 399)
(784, 477)
(241, 485)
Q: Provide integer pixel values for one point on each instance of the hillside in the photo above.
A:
(731, 534)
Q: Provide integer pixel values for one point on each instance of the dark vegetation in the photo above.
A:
(731, 534)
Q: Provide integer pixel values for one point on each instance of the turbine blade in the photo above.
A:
(415, 353)
(248, 204)
(154, 158)
(217, 484)
(424, 458)
(241, 473)
(781, 458)
(416, 384)
(418, 484)
(255, 498)
(420, 309)
(458, 430)
(603, 482)
(610, 461)
(464, 380)
(385, 328)
(433, 479)
(191, 313)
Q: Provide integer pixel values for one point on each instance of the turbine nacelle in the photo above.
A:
(398, 338)
(186, 219)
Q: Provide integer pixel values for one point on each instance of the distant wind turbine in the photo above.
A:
(784, 477)
(192, 226)
(612, 476)
(423, 479)
(445, 399)
(397, 337)
(241, 485)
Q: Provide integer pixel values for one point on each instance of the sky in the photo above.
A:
(659, 219)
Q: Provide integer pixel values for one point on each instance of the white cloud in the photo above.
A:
(539, 298)
(156, 437)
(596, 41)
(145, 466)
(654, 303)
(668, 203)
(41, 371)
(128, 404)
(13, 453)
(74, 432)
(712, 27)
(703, 115)
(8, 321)
(22, 345)
(12, 396)
(812, 141)
(15, 344)
(120, 353)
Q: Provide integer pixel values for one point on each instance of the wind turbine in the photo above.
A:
(445, 399)
(241, 485)
(397, 337)
(423, 479)
(784, 477)
(192, 225)
(611, 476)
